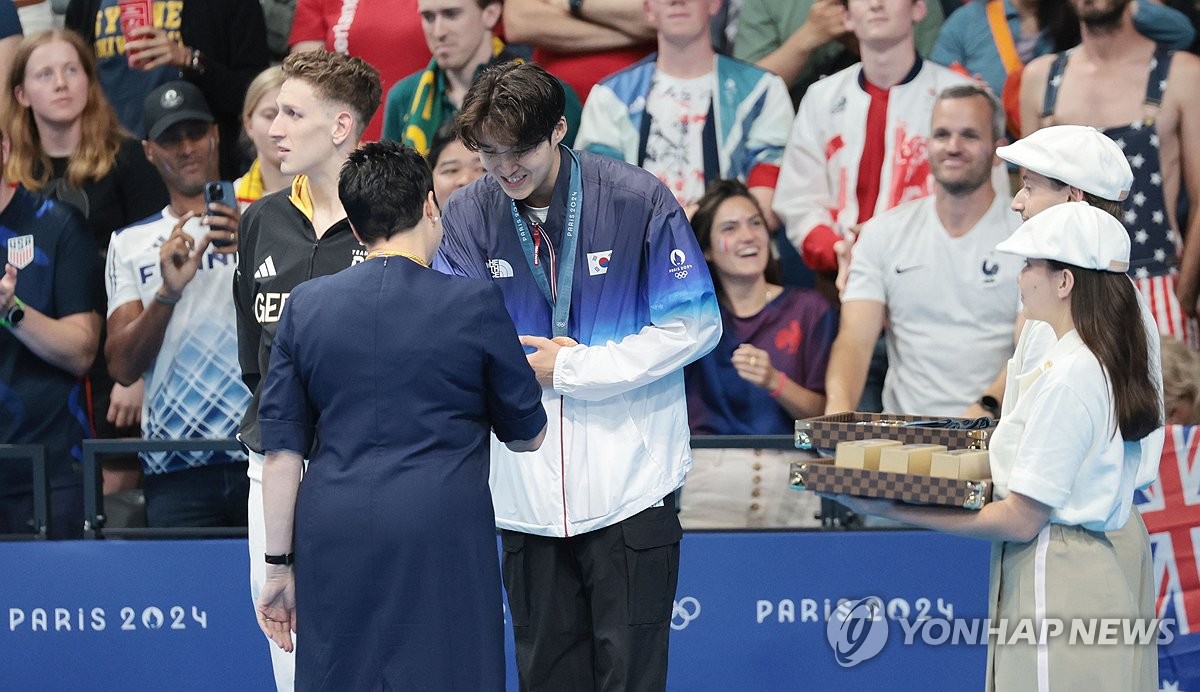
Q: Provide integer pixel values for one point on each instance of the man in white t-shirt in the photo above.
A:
(928, 268)
(171, 320)
(688, 115)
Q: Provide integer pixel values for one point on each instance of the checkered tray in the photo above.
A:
(820, 475)
(825, 432)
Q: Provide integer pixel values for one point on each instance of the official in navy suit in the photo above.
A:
(391, 376)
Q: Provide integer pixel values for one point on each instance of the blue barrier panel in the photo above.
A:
(176, 615)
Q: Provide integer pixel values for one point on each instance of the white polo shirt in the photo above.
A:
(1037, 338)
(1058, 442)
(951, 303)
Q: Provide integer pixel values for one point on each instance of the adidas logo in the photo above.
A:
(265, 270)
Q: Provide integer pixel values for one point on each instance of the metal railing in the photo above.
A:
(93, 487)
(36, 454)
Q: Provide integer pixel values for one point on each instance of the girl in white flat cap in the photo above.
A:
(1062, 469)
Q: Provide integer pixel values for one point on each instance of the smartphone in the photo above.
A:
(220, 192)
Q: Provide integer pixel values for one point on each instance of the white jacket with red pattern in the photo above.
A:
(816, 194)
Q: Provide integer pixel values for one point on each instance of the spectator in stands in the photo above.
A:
(689, 115)
(67, 142)
(258, 114)
(767, 370)
(928, 268)
(452, 163)
(387, 35)
(49, 331)
(218, 45)
(1137, 93)
(993, 39)
(296, 234)
(459, 34)
(858, 145)
(68, 145)
(1181, 383)
(769, 367)
(171, 320)
(804, 40)
(580, 41)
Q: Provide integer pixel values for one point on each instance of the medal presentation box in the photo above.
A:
(945, 465)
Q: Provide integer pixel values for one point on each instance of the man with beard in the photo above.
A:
(171, 319)
(1134, 91)
(928, 267)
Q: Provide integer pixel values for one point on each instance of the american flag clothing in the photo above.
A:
(1154, 245)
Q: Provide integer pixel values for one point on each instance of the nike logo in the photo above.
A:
(901, 270)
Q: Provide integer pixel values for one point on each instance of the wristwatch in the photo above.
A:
(285, 559)
(991, 404)
(196, 61)
(15, 314)
(576, 7)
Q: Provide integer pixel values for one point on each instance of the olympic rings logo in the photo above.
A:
(684, 611)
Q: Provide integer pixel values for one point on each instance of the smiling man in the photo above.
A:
(293, 235)
(171, 319)
(604, 279)
(460, 36)
(928, 266)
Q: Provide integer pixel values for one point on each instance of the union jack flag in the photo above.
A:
(1171, 510)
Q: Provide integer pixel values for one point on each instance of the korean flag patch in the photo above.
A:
(20, 251)
(598, 262)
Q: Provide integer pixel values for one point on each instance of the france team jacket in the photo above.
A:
(642, 306)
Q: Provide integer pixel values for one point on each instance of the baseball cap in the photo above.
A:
(1078, 155)
(171, 103)
(1075, 233)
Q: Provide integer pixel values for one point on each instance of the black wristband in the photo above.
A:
(576, 8)
(287, 559)
(991, 404)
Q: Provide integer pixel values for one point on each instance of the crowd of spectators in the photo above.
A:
(785, 128)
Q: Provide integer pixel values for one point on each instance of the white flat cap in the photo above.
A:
(1079, 156)
(1075, 233)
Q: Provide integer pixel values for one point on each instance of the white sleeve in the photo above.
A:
(120, 279)
(604, 127)
(803, 195)
(865, 281)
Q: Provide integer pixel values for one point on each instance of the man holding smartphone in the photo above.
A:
(171, 319)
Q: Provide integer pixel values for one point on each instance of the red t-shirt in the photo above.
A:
(385, 33)
(582, 70)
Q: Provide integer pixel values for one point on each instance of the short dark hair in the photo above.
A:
(441, 139)
(341, 78)
(383, 187)
(966, 91)
(516, 104)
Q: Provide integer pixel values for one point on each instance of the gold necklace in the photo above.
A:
(396, 253)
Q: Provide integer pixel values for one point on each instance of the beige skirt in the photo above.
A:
(1072, 576)
(745, 489)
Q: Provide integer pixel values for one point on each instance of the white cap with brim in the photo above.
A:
(1075, 233)
(1077, 155)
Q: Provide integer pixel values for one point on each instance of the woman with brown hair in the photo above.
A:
(1066, 545)
(66, 144)
(66, 141)
(767, 370)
